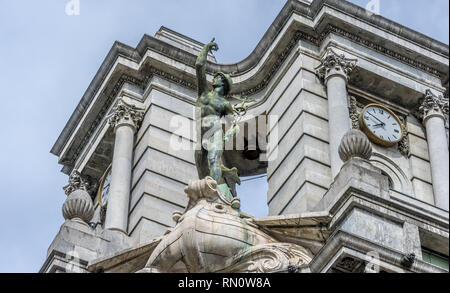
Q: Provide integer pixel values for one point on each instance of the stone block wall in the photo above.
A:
(299, 169)
(161, 172)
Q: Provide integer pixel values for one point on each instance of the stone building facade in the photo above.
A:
(311, 76)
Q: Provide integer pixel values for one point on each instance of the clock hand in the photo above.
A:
(382, 123)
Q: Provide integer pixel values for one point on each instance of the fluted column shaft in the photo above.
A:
(334, 70)
(124, 119)
(432, 110)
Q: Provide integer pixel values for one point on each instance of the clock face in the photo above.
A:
(104, 187)
(381, 125)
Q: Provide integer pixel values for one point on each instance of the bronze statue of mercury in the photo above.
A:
(213, 107)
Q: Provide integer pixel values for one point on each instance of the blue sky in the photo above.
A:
(48, 59)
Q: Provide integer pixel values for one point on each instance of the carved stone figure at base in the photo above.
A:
(212, 235)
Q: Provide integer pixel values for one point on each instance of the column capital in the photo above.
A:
(126, 114)
(77, 181)
(333, 64)
(432, 106)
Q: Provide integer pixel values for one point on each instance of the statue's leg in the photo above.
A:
(214, 165)
(215, 151)
(231, 174)
(201, 162)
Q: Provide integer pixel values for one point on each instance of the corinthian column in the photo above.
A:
(125, 120)
(431, 111)
(335, 70)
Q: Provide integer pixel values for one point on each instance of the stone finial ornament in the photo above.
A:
(432, 104)
(125, 113)
(78, 204)
(333, 63)
(355, 144)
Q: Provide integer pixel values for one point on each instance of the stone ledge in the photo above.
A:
(125, 261)
(341, 242)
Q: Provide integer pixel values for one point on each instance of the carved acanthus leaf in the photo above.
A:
(432, 103)
(271, 257)
(403, 145)
(334, 61)
(77, 181)
(354, 113)
(127, 112)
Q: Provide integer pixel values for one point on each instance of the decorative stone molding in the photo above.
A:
(354, 113)
(127, 114)
(348, 264)
(268, 258)
(109, 100)
(379, 48)
(205, 188)
(333, 63)
(279, 61)
(432, 105)
(355, 144)
(403, 145)
(408, 260)
(77, 181)
(102, 215)
(78, 206)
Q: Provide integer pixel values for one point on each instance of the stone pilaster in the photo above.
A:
(334, 71)
(125, 119)
(431, 112)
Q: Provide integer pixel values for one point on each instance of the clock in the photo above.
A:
(103, 191)
(381, 125)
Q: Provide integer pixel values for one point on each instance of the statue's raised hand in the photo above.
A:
(213, 46)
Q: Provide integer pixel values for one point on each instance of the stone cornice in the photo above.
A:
(380, 22)
(383, 50)
(291, 7)
(110, 99)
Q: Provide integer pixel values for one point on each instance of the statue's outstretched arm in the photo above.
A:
(200, 66)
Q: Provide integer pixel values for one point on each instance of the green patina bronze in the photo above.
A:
(214, 106)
